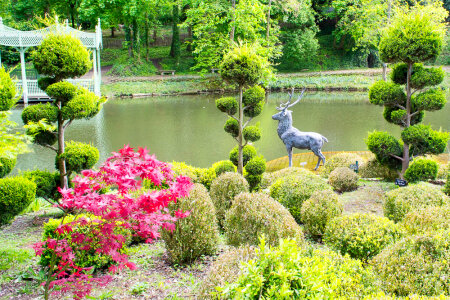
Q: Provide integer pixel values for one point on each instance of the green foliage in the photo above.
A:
(7, 164)
(253, 100)
(343, 179)
(223, 166)
(292, 272)
(45, 82)
(427, 219)
(46, 182)
(42, 135)
(84, 105)
(430, 100)
(11, 142)
(373, 169)
(35, 113)
(401, 201)
(421, 169)
(181, 168)
(62, 91)
(424, 140)
(61, 56)
(447, 185)
(398, 116)
(417, 264)
(16, 193)
(292, 191)
(198, 233)
(318, 211)
(386, 93)
(227, 105)
(424, 77)
(383, 145)
(7, 91)
(399, 73)
(344, 159)
(413, 37)
(362, 236)
(243, 66)
(248, 153)
(252, 133)
(223, 190)
(270, 177)
(255, 168)
(205, 176)
(256, 214)
(232, 127)
(79, 156)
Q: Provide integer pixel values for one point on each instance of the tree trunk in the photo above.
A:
(175, 50)
(136, 39)
(405, 162)
(61, 162)
(233, 19)
(240, 167)
(146, 39)
(268, 23)
(112, 31)
(128, 39)
(385, 71)
(189, 45)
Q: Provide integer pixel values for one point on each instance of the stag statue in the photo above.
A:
(294, 138)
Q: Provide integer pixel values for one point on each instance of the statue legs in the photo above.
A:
(289, 151)
(321, 157)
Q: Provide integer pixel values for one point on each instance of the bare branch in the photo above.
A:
(246, 123)
(50, 147)
(231, 116)
(397, 157)
(67, 124)
(400, 106)
(415, 113)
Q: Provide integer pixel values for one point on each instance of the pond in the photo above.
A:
(190, 128)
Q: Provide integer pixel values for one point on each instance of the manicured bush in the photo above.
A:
(79, 156)
(253, 98)
(181, 168)
(342, 179)
(318, 210)
(225, 269)
(341, 160)
(401, 201)
(6, 165)
(270, 177)
(16, 193)
(293, 190)
(447, 185)
(46, 182)
(421, 169)
(362, 236)
(205, 176)
(383, 92)
(198, 233)
(223, 166)
(232, 127)
(417, 264)
(248, 153)
(443, 170)
(223, 190)
(373, 169)
(292, 272)
(384, 145)
(424, 140)
(256, 214)
(7, 91)
(427, 219)
(251, 133)
(255, 168)
(35, 113)
(227, 105)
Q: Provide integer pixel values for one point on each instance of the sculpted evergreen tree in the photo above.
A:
(59, 57)
(414, 37)
(244, 68)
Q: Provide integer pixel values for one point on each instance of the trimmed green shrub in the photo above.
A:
(293, 190)
(424, 140)
(427, 219)
(35, 113)
(362, 236)
(386, 93)
(223, 190)
(447, 185)
(251, 133)
(198, 233)
(62, 91)
(341, 160)
(223, 166)
(7, 91)
(248, 152)
(421, 169)
(318, 210)
(383, 145)
(16, 193)
(255, 168)
(373, 169)
(256, 214)
(79, 156)
(343, 179)
(430, 100)
(225, 269)
(42, 137)
(227, 105)
(253, 98)
(232, 127)
(443, 170)
(181, 168)
(292, 272)
(85, 105)
(417, 264)
(401, 201)
(270, 177)
(6, 165)
(46, 183)
(205, 176)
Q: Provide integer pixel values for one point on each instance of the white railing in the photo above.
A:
(35, 92)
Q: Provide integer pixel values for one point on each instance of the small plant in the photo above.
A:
(421, 169)
(223, 166)
(256, 214)
(16, 193)
(373, 169)
(342, 179)
(78, 157)
(139, 288)
(341, 160)
(6, 165)
(318, 211)
(401, 201)
(255, 168)
(362, 236)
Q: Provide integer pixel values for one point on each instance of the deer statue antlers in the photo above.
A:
(284, 106)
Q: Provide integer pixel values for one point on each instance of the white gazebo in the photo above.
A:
(22, 40)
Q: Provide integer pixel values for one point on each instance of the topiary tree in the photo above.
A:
(16, 193)
(342, 179)
(414, 37)
(244, 68)
(59, 57)
(422, 169)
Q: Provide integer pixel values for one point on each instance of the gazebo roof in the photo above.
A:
(24, 39)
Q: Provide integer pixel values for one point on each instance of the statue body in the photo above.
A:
(294, 138)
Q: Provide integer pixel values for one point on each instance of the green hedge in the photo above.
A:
(7, 164)
(16, 193)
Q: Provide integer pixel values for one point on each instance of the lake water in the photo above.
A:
(190, 128)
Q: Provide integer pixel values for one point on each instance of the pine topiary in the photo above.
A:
(342, 179)
(46, 183)
(78, 156)
(422, 169)
(255, 168)
(16, 193)
(256, 214)
(198, 233)
(372, 168)
(223, 166)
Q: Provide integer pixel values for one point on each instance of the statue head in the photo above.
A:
(283, 108)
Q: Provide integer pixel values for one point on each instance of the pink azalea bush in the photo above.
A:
(123, 206)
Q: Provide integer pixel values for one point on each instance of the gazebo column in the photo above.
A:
(24, 75)
(99, 71)
(96, 87)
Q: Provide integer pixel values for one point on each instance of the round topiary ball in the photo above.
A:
(256, 214)
(6, 165)
(248, 152)
(37, 112)
(342, 179)
(418, 264)
(61, 56)
(223, 166)
(270, 177)
(46, 183)
(227, 105)
(7, 91)
(373, 169)
(198, 233)
(232, 127)
(427, 219)
(252, 133)
(361, 236)
(341, 160)
(292, 191)
(16, 193)
(318, 210)
(421, 169)
(78, 156)
(223, 190)
(401, 201)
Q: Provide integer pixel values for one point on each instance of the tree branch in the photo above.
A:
(67, 124)
(233, 117)
(246, 123)
(400, 106)
(395, 156)
(50, 147)
(415, 113)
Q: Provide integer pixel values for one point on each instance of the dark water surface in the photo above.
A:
(190, 128)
